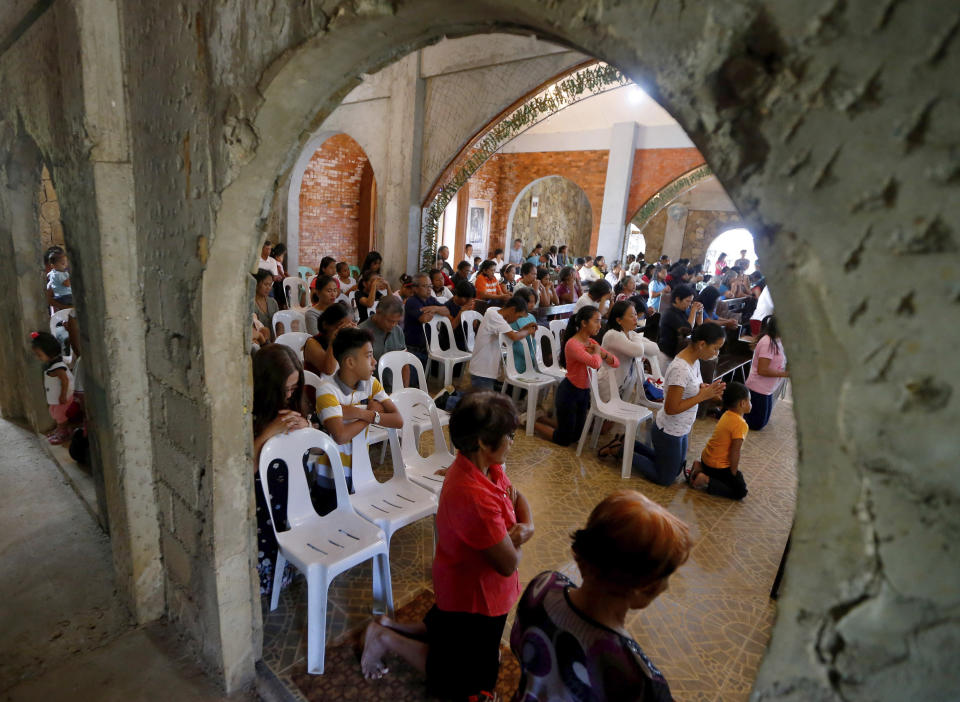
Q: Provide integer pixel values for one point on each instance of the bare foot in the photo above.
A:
(701, 481)
(371, 661)
(414, 629)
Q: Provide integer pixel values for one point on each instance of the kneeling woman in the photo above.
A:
(482, 521)
(572, 642)
(578, 352)
(685, 390)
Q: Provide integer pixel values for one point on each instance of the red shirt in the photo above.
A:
(475, 513)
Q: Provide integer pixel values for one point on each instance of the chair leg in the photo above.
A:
(629, 436)
(585, 432)
(278, 569)
(447, 374)
(382, 584)
(316, 622)
(531, 408)
(598, 427)
(383, 450)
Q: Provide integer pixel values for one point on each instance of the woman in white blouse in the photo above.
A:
(620, 338)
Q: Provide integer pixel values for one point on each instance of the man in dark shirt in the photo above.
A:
(464, 297)
(419, 309)
(683, 312)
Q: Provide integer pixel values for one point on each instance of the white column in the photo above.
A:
(401, 218)
(616, 190)
(673, 236)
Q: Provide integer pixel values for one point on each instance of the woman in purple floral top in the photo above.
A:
(571, 641)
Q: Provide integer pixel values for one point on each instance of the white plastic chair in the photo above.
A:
(291, 289)
(615, 410)
(553, 369)
(530, 380)
(467, 320)
(321, 547)
(351, 300)
(295, 340)
(412, 404)
(448, 358)
(394, 361)
(557, 327)
(391, 505)
(287, 319)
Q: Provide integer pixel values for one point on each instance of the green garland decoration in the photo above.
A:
(594, 80)
(668, 193)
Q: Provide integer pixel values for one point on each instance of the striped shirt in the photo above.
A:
(332, 397)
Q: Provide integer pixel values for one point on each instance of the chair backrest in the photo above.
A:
(305, 272)
(311, 379)
(394, 361)
(291, 289)
(506, 350)
(287, 318)
(544, 334)
(431, 330)
(557, 327)
(611, 379)
(60, 317)
(467, 319)
(291, 448)
(295, 340)
(407, 401)
(360, 466)
(355, 272)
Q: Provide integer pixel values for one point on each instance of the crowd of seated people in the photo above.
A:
(664, 322)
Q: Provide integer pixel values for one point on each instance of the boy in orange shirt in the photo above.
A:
(718, 470)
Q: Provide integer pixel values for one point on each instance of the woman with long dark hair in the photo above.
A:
(317, 356)
(264, 306)
(684, 390)
(767, 371)
(372, 262)
(578, 351)
(620, 338)
(278, 407)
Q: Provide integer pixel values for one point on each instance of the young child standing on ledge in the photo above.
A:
(57, 381)
(718, 470)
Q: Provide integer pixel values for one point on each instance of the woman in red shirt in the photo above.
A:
(578, 352)
(482, 521)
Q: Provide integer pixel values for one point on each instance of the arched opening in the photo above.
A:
(553, 211)
(337, 203)
(636, 242)
(737, 244)
(520, 203)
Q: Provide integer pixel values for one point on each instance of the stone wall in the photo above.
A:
(653, 233)
(48, 212)
(330, 203)
(564, 216)
(703, 226)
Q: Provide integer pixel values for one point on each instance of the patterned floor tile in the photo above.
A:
(707, 633)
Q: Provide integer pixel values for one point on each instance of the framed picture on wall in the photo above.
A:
(478, 226)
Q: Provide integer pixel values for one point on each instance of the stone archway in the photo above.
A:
(565, 216)
(788, 139)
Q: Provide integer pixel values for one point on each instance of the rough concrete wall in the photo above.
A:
(330, 202)
(564, 216)
(808, 114)
(703, 226)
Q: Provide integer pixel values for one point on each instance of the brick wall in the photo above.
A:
(330, 203)
(503, 176)
(655, 168)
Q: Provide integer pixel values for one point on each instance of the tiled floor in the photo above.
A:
(707, 633)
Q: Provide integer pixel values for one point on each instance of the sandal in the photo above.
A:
(690, 474)
(612, 448)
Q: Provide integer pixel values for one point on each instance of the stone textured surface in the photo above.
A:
(703, 226)
(564, 216)
(48, 212)
(831, 126)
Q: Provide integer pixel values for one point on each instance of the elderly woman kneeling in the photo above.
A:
(571, 641)
(482, 521)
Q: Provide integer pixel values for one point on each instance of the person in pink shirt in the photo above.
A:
(578, 352)
(482, 523)
(767, 371)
